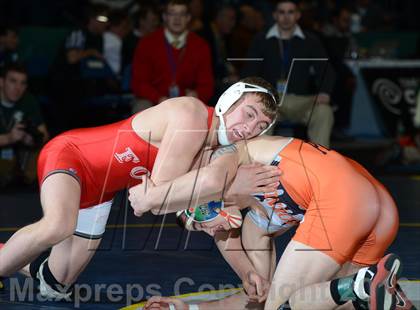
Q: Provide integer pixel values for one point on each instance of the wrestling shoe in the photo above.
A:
(383, 286)
(403, 303)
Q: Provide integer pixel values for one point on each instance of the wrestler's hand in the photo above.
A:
(256, 287)
(160, 303)
(137, 195)
(254, 178)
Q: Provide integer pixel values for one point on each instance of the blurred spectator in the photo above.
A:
(119, 28)
(341, 45)
(249, 24)
(217, 35)
(369, 16)
(311, 16)
(309, 84)
(9, 41)
(66, 86)
(146, 20)
(88, 42)
(323, 10)
(172, 61)
(22, 129)
(340, 23)
(115, 5)
(196, 11)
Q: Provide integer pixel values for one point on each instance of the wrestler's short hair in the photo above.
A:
(177, 2)
(270, 107)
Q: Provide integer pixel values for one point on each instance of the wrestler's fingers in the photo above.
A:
(267, 189)
(274, 171)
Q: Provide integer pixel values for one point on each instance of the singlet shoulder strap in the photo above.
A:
(210, 112)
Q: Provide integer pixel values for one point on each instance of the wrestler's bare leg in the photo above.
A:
(60, 197)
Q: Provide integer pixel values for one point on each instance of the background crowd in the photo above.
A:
(78, 63)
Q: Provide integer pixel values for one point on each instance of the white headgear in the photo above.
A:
(228, 98)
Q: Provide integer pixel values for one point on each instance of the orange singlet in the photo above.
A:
(103, 159)
(341, 209)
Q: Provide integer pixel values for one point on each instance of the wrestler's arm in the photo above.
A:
(236, 301)
(255, 281)
(184, 136)
(230, 246)
(171, 187)
(196, 187)
(210, 182)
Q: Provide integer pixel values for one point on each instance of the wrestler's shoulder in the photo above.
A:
(185, 107)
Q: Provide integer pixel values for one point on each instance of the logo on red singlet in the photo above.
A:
(137, 172)
(127, 156)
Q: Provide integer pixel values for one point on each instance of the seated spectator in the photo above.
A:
(340, 28)
(340, 45)
(66, 85)
(309, 83)
(196, 10)
(22, 129)
(88, 42)
(217, 35)
(370, 16)
(146, 20)
(172, 61)
(249, 24)
(9, 41)
(119, 28)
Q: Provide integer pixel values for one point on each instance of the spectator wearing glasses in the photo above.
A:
(172, 61)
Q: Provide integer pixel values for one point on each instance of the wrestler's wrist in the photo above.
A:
(246, 272)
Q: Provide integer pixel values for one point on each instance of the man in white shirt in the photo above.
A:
(307, 82)
(119, 27)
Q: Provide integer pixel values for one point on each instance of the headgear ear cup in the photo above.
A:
(235, 221)
(228, 99)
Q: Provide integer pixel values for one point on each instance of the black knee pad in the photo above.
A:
(34, 266)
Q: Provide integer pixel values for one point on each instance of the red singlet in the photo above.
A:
(103, 159)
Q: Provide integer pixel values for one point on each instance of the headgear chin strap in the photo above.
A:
(228, 99)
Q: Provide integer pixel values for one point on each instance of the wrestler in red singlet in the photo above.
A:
(103, 159)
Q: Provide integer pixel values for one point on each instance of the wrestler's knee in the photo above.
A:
(51, 231)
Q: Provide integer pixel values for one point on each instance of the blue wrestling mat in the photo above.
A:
(149, 258)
